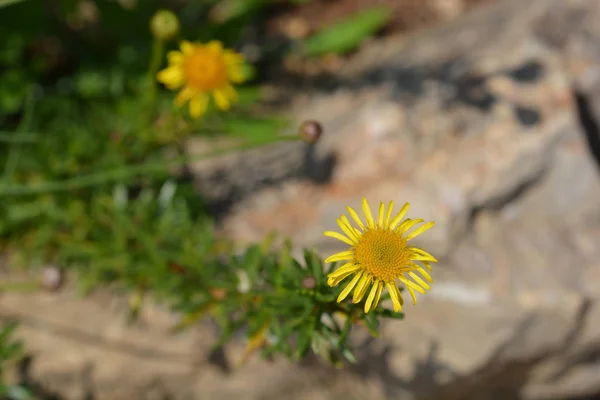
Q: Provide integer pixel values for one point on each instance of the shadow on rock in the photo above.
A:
(503, 376)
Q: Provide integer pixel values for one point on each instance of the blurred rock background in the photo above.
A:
(485, 118)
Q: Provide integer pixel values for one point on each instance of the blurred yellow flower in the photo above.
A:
(199, 70)
(379, 255)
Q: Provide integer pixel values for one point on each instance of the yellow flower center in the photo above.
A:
(383, 254)
(205, 70)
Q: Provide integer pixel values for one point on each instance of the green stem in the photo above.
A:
(11, 137)
(158, 49)
(24, 125)
(129, 171)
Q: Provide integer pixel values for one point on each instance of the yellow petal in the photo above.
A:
(339, 236)
(367, 211)
(420, 230)
(348, 231)
(420, 257)
(411, 285)
(355, 217)
(371, 302)
(215, 46)
(342, 255)
(412, 295)
(361, 288)
(349, 287)
(389, 214)
(334, 281)
(186, 48)
(427, 265)
(171, 77)
(236, 74)
(420, 281)
(221, 100)
(175, 58)
(184, 95)
(198, 105)
(380, 215)
(232, 58)
(347, 222)
(341, 273)
(378, 295)
(425, 274)
(399, 216)
(395, 295)
(426, 256)
(409, 223)
(230, 92)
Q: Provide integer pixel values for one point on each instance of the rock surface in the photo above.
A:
(485, 125)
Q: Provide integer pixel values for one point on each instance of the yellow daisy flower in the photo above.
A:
(379, 255)
(201, 69)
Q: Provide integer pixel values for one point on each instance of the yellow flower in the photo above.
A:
(379, 255)
(200, 69)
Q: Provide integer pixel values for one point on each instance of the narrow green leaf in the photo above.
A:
(325, 298)
(346, 35)
(321, 346)
(313, 264)
(372, 324)
(4, 3)
(7, 330)
(346, 330)
(331, 267)
(348, 355)
(227, 10)
(391, 314)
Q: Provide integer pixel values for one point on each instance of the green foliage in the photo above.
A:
(11, 351)
(86, 185)
(347, 34)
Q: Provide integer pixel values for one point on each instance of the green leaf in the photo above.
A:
(7, 331)
(17, 393)
(346, 330)
(346, 35)
(267, 243)
(321, 346)
(4, 3)
(255, 128)
(227, 10)
(325, 298)
(305, 334)
(391, 314)
(348, 355)
(372, 324)
(313, 264)
(331, 267)
(285, 255)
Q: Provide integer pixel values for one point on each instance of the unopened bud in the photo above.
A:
(218, 293)
(311, 131)
(309, 282)
(52, 277)
(164, 25)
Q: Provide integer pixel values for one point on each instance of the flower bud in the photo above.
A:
(52, 278)
(164, 25)
(309, 282)
(311, 131)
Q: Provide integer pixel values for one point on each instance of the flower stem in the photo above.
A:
(158, 49)
(12, 137)
(128, 171)
(24, 126)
